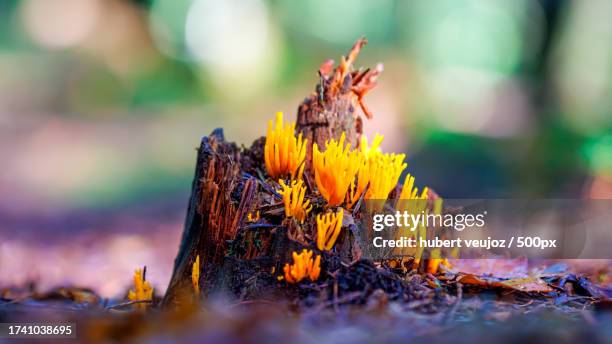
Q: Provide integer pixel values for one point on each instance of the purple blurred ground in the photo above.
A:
(95, 249)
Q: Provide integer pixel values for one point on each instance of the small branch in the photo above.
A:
(125, 304)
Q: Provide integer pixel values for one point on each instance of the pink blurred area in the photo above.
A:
(92, 250)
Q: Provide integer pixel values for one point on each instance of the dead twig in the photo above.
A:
(125, 304)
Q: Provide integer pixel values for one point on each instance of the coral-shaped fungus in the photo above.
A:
(195, 275)
(379, 172)
(366, 149)
(142, 289)
(303, 266)
(284, 154)
(411, 193)
(335, 169)
(328, 229)
(253, 217)
(384, 172)
(293, 197)
(411, 202)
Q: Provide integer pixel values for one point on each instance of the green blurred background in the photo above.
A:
(102, 102)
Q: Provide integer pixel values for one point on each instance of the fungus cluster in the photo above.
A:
(284, 154)
(293, 198)
(328, 229)
(343, 175)
(303, 266)
(335, 169)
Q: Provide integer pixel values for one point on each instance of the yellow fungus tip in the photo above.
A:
(304, 266)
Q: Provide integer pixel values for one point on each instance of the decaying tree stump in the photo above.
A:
(241, 258)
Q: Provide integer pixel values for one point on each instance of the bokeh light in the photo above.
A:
(167, 20)
(585, 65)
(234, 41)
(60, 23)
(341, 22)
(468, 55)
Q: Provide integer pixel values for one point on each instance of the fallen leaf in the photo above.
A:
(499, 268)
(526, 285)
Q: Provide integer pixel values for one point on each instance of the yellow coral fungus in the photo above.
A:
(411, 202)
(284, 154)
(379, 172)
(435, 259)
(335, 169)
(375, 148)
(385, 170)
(303, 266)
(293, 197)
(142, 290)
(410, 192)
(434, 264)
(195, 275)
(328, 229)
(253, 217)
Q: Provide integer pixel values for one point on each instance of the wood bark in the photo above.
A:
(335, 105)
